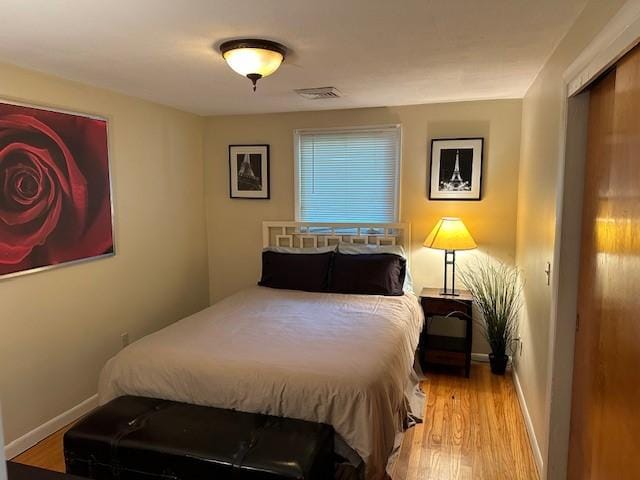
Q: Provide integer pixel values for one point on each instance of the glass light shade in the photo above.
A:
(450, 234)
(259, 61)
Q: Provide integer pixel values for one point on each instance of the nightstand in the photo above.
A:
(440, 348)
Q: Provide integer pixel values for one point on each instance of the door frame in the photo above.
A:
(619, 36)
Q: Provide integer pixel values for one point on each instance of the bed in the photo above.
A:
(342, 359)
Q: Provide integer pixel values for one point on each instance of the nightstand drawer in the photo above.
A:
(444, 307)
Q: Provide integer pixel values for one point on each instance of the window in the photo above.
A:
(348, 175)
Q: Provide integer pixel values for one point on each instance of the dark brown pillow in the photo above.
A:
(296, 271)
(369, 274)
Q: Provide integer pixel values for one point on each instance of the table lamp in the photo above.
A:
(450, 235)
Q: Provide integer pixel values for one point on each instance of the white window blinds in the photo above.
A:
(348, 175)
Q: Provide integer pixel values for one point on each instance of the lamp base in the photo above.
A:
(449, 293)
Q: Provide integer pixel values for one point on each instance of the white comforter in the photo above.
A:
(344, 360)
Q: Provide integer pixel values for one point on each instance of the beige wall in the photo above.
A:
(234, 226)
(3, 472)
(538, 182)
(57, 328)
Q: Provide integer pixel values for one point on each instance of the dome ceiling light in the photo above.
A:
(253, 58)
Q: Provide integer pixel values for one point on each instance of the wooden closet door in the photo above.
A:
(605, 417)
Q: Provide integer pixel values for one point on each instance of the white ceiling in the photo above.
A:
(377, 52)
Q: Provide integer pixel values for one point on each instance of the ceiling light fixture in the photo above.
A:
(253, 58)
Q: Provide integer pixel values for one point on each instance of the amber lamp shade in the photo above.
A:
(450, 234)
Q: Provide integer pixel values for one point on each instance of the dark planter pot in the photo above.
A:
(498, 363)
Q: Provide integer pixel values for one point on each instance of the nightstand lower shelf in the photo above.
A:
(445, 343)
(442, 357)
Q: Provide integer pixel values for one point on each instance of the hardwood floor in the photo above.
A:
(46, 454)
(473, 429)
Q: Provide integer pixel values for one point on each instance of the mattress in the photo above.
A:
(344, 360)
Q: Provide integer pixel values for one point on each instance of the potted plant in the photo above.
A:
(496, 290)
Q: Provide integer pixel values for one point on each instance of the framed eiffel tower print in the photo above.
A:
(249, 171)
(456, 169)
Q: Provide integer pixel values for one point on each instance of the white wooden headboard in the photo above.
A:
(310, 234)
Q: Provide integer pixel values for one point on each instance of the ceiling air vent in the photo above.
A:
(319, 93)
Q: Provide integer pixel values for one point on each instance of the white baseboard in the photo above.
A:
(480, 357)
(535, 447)
(38, 434)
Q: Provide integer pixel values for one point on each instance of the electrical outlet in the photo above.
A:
(125, 339)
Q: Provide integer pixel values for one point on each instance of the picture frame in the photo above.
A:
(57, 199)
(249, 171)
(456, 169)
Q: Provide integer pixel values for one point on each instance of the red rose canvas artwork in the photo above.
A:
(55, 199)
